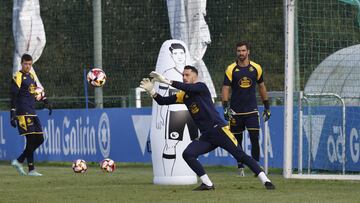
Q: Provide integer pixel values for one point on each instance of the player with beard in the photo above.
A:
(214, 132)
(242, 112)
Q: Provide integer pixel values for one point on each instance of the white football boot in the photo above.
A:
(34, 173)
(18, 166)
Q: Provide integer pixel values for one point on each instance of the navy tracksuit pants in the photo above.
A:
(219, 136)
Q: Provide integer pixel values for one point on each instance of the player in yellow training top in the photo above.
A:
(241, 78)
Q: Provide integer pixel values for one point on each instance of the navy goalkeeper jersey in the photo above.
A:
(197, 99)
(242, 81)
(23, 88)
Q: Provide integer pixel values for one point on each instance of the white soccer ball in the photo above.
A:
(96, 77)
(108, 165)
(39, 93)
(79, 166)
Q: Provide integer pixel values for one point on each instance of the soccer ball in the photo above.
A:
(39, 93)
(79, 166)
(108, 165)
(96, 77)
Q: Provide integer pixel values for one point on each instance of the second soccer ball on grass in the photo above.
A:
(108, 165)
(79, 166)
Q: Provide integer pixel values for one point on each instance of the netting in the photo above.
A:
(323, 119)
(324, 27)
(328, 71)
(133, 32)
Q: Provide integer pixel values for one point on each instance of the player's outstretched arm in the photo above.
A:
(195, 87)
(148, 86)
(157, 77)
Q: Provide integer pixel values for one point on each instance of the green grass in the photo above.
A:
(133, 183)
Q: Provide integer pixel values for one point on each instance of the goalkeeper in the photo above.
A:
(214, 132)
(23, 115)
(242, 112)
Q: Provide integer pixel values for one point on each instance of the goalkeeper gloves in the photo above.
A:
(48, 105)
(159, 78)
(13, 118)
(267, 113)
(226, 108)
(148, 86)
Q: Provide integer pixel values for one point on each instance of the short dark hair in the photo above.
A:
(192, 68)
(26, 57)
(176, 46)
(243, 43)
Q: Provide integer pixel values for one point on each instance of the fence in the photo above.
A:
(133, 32)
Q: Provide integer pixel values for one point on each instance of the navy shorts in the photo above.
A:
(29, 125)
(238, 123)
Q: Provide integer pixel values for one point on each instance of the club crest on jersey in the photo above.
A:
(194, 108)
(32, 88)
(251, 69)
(245, 82)
(29, 121)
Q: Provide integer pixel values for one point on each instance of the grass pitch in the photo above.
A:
(133, 183)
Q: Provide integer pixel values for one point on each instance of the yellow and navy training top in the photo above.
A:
(197, 99)
(242, 81)
(23, 87)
